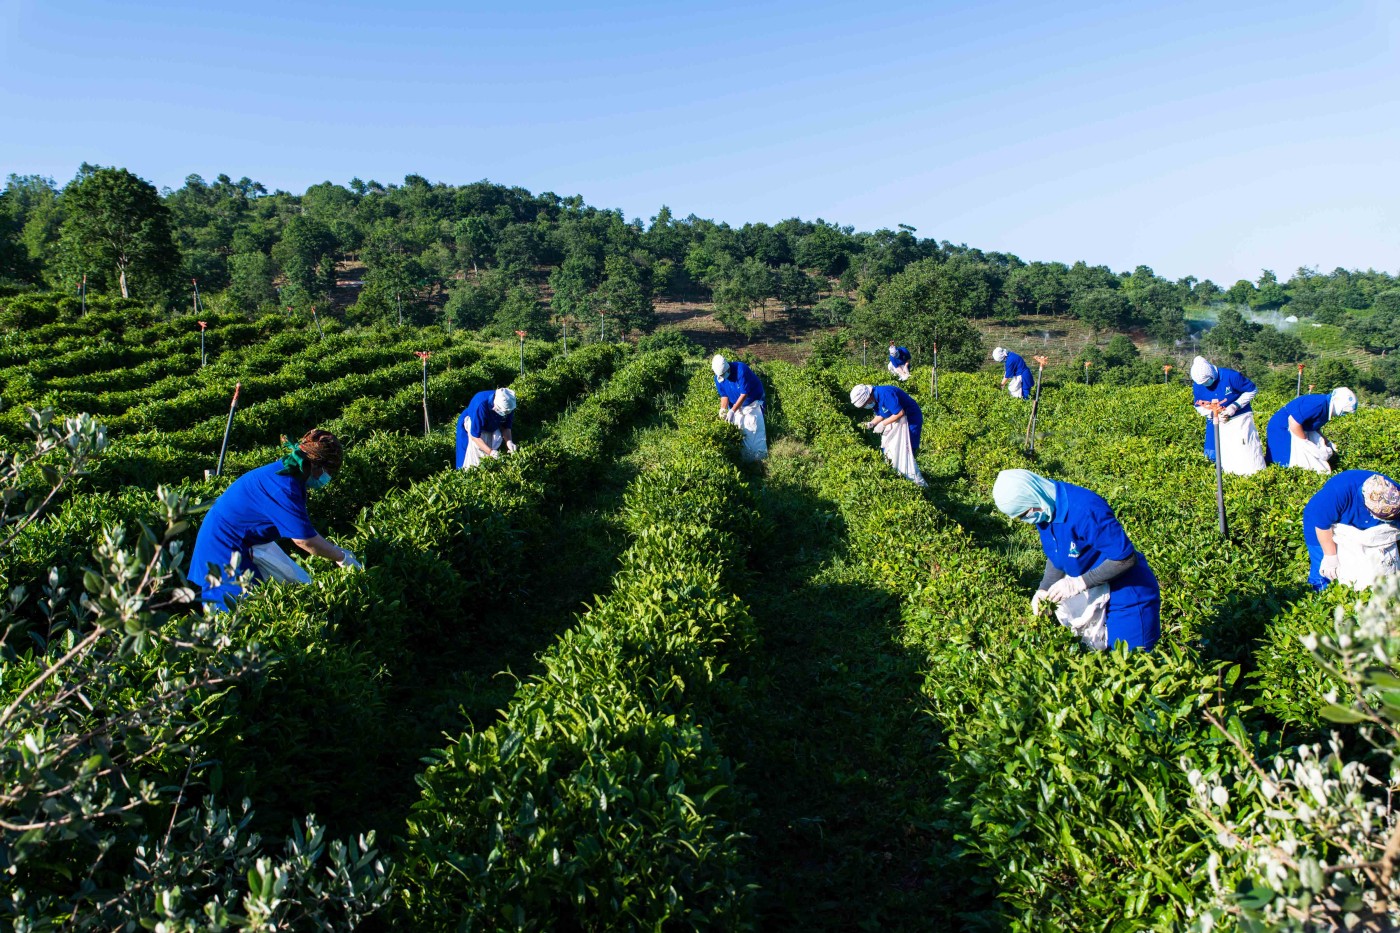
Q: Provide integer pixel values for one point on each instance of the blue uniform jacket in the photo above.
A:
(261, 506)
(891, 400)
(1338, 502)
(742, 381)
(1310, 411)
(1015, 366)
(483, 418)
(1083, 534)
(1229, 386)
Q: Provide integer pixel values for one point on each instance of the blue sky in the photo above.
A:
(1206, 138)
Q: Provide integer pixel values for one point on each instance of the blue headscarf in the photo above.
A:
(1015, 491)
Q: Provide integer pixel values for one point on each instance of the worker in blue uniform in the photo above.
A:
(1016, 378)
(900, 423)
(1085, 546)
(1225, 395)
(899, 361)
(741, 403)
(1362, 499)
(259, 508)
(1291, 425)
(485, 426)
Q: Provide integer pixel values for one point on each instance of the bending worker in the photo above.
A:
(1349, 526)
(1085, 548)
(741, 403)
(484, 426)
(1295, 437)
(1224, 396)
(900, 358)
(241, 531)
(900, 423)
(1016, 377)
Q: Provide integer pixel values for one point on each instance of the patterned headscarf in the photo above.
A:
(1382, 497)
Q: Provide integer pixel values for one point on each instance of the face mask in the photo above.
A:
(1035, 517)
(323, 479)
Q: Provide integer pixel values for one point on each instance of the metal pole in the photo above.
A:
(566, 336)
(1165, 369)
(1219, 480)
(423, 355)
(600, 327)
(935, 369)
(195, 283)
(83, 290)
(1035, 407)
(321, 335)
(202, 357)
(1299, 390)
(521, 335)
(227, 426)
(863, 360)
(1086, 372)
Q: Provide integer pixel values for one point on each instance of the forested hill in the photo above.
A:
(500, 259)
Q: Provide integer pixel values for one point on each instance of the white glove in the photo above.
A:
(1229, 411)
(349, 561)
(724, 413)
(1065, 588)
(868, 425)
(1324, 450)
(1328, 568)
(510, 447)
(496, 453)
(1039, 597)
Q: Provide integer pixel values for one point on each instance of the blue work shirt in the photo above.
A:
(1338, 502)
(1083, 534)
(1310, 411)
(900, 356)
(742, 381)
(890, 401)
(483, 418)
(1229, 385)
(261, 506)
(1015, 366)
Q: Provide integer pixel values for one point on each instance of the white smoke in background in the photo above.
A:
(1278, 320)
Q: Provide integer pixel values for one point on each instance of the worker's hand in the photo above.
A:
(1229, 411)
(1328, 568)
(495, 453)
(1065, 588)
(724, 412)
(1039, 597)
(511, 447)
(349, 561)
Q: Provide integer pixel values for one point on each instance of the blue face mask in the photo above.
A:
(1035, 517)
(321, 480)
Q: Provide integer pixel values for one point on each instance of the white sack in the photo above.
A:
(899, 449)
(473, 454)
(900, 372)
(1239, 442)
(1086, 615)
(1303, 454)
(1363, 557)
(749, 419)
(274, 564)
(1013, 387)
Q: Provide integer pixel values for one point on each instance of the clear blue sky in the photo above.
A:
(1207, 138)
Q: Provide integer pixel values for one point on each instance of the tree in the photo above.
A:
(1120, 351)
(1241, 293)
(306, 254)
(250, 280)
(118, 220)
(795, 288)
(918, 307)
(826, 249)
(1270, 293)
(1101, 308)
(1158, 307)
(474, 239)
(1206, 292)
(625, 296)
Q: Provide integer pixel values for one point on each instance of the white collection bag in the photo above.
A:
(274, 564)
(749, 419)
(899, 449)
(1303, 454)
(1086, 615)
(1238, 446)
(1363, 557)
(1013, 388)
(473, 454)
(900, 372)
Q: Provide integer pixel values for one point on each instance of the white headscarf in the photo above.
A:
(1202, 372)
(504, 402)
(999, 354)
(860, 395)
(1015, 491)
(719, 366)
(1341, 402)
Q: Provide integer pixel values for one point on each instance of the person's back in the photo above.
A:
(261, 506)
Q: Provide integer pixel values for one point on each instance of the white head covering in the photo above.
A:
(719, 366)
(860, 395)
(1341, 402)
(504, 402)
(1015, 491)
(999, 354)
(1202, 372)
(893, 348)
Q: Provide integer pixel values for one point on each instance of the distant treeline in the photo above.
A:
(499, 259)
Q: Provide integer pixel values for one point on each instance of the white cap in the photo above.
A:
(860, 395)
(999, 354)
(1202, 372)
(504, 402)
(719, 366)
(1341, 402)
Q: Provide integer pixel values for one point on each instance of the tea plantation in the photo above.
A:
(622, 680)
